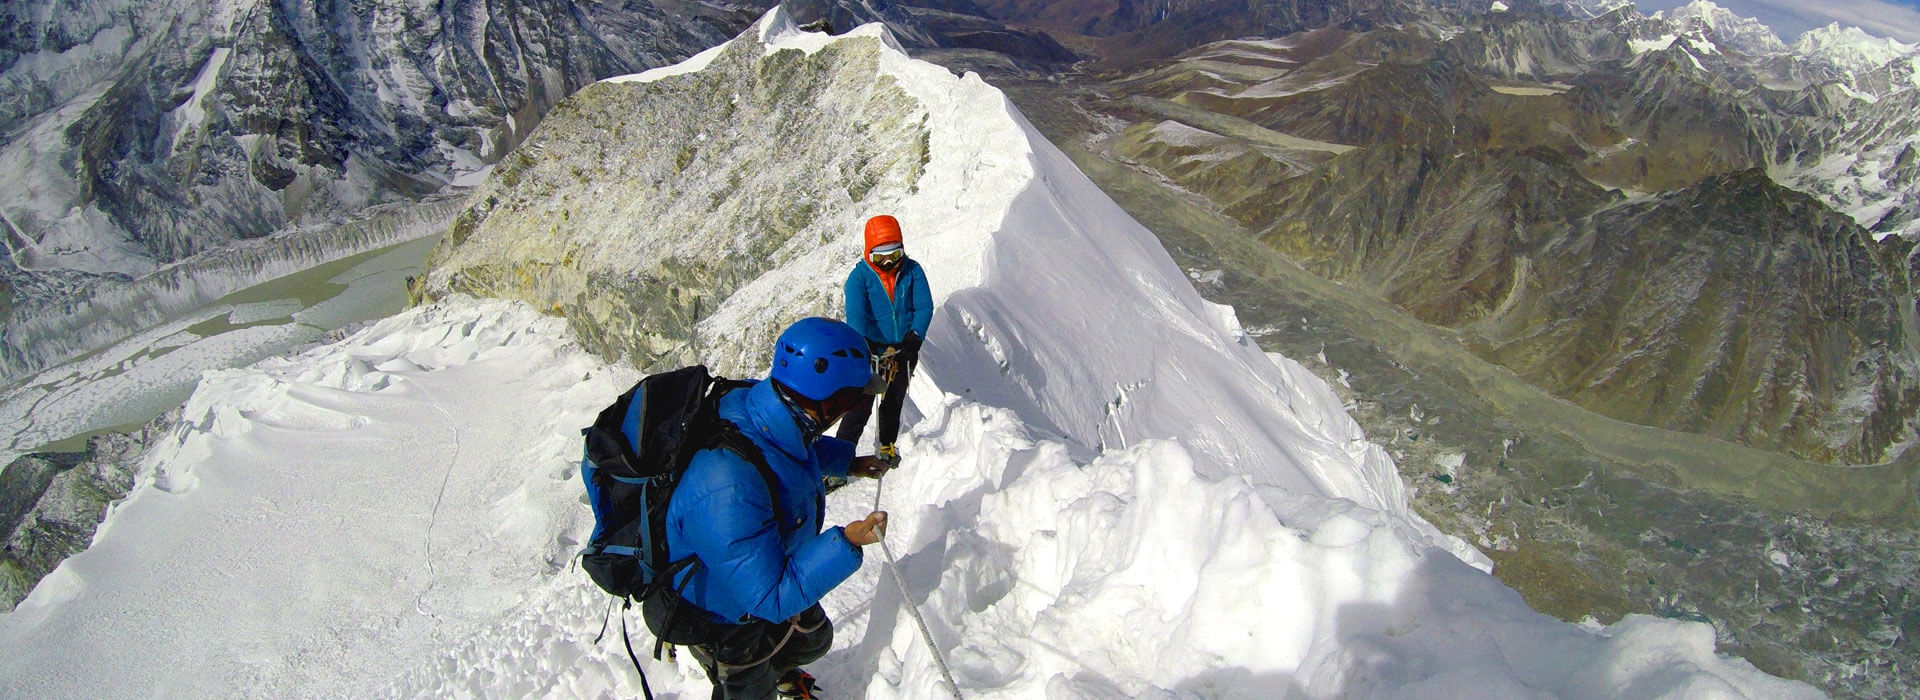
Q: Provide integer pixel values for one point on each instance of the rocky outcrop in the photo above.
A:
(51, 503)
(639, 208)
(155, 133)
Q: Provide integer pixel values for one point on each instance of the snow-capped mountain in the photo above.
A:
(1594, 8)
(142, 134)
(1725, 29)
(1109, 490)
(1850, 49)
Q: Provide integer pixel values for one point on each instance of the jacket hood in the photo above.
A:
(881, 230)
(760, 413)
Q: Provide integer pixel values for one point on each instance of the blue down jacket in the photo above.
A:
(883, 320)
(721, 512)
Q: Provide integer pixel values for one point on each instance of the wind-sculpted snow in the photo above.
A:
(1032, 560)
(335, 510)
(394, 514)
(1108, 491)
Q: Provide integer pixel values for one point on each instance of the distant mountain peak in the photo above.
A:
(1850, 48)
(1595, 8)
(1727, 30)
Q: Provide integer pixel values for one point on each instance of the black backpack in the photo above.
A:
(636, 451)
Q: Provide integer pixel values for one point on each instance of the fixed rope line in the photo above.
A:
(912, 608)
(420, 601)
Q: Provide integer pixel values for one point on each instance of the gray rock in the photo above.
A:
(637, 210)
(51, 503)
(160, 132)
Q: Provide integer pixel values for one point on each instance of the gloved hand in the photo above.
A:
(910, 346)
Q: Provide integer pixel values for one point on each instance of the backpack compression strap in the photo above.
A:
(728, 437)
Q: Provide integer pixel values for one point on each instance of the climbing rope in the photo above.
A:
(913, 608)
(433, 517)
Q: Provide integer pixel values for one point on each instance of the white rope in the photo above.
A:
(433, 517)
(913, 608)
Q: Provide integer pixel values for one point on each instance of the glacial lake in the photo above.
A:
(128, 384)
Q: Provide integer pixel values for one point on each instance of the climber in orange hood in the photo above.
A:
(889, 303)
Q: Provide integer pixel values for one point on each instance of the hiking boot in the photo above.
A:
(889, 454)
(796, 684)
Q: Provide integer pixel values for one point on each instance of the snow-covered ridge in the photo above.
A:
(1848, 152)
(1109, 492)
(1743, 34)
(1850, 48)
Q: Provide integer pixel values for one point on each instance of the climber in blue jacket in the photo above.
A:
(750, 609)
(889, 303)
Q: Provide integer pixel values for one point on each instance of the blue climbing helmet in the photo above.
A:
(819, 357)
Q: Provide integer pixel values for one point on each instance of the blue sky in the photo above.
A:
(1789, 18)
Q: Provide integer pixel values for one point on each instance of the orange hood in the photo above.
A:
(881, 230)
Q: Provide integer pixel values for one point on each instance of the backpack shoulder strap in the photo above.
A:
(728, 437)
(723, 434)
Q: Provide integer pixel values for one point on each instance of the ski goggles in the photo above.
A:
(816, 415)
(889, 259)
(844, 401)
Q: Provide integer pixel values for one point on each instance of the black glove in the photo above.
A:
(911, 345)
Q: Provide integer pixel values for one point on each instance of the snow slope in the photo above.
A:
(1110, 491)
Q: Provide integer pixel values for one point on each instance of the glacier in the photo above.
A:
(1110, 490)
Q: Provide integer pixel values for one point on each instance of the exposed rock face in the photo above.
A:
(1734, 308)
(1448, 238)
(275, 111)
(1465, 176)
(637, 209)
(50, 504)
(152, 132)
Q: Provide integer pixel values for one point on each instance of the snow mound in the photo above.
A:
(394, 515)
(1109, 491)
